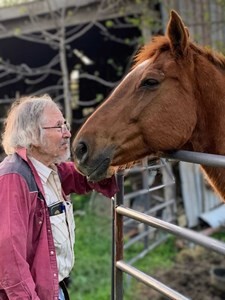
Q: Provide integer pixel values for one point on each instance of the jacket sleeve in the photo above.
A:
(15, 276)
(74, 182)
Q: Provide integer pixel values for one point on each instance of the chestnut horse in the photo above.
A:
(173, 98)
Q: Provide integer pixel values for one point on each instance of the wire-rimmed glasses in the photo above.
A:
(63, 127)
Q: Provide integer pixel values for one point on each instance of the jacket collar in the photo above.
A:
(22, 152)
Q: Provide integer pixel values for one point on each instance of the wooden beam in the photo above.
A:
(14, 20)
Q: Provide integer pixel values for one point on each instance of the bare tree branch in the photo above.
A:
(85, 29)
(25, 70)
(48, 89)
(37, 39)
(99, 80)
(10, 81)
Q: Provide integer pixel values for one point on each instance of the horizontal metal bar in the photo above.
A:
(138, 237)
(146, 191)
(150, 281)
(136, 193)
(211, 160)
(139, 169)
(184, 233)
(160, 206)
(152, 210)
(149, 248)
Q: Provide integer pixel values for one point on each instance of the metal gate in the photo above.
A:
(119, 266)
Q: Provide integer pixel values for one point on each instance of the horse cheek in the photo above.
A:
(168, 132)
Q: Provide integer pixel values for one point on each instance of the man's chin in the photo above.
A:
(63, 158)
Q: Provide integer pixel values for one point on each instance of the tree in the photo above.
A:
(51, 27)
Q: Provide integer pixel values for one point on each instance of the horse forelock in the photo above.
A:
(158, 45)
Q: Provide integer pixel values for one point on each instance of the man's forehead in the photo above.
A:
(53, 114)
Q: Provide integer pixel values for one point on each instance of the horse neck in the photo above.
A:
(209, 133)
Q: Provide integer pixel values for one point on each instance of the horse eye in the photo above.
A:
(149, 83)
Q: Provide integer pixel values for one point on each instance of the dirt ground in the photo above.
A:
(190, 276)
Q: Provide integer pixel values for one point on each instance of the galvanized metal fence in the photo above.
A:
(119, 265)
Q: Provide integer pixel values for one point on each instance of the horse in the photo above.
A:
(173, 98)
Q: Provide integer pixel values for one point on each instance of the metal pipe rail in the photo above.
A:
(206, 159)
(150, 281)
(184, 233)
(146, 191)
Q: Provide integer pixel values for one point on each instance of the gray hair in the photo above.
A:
(23, 124)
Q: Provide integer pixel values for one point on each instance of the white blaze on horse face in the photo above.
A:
(138, 69)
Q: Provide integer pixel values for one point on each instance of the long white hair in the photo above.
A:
(23, 123)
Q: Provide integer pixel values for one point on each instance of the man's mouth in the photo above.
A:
(65, 144)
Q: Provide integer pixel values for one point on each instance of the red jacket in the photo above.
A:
(28, 267)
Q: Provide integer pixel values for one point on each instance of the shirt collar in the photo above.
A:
(43, 171)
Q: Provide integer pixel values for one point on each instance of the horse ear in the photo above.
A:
(178, 34)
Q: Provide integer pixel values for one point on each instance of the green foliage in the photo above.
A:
(96, 73)
(161, 257)
(112, 63)
(17, 31)
(99, 97)
(219, 236)
(80, 202)
(70, 13)
(78, 67)
(134, 21)
(109, 23)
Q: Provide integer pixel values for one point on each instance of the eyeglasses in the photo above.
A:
(63, 127)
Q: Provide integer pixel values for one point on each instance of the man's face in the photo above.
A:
(55, 142)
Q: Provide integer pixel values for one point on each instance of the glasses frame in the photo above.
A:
(64, 127)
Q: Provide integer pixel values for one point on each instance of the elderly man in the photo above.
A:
(37, 224)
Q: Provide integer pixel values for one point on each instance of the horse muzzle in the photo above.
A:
(95, 166)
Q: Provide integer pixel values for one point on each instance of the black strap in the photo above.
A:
(62, 284)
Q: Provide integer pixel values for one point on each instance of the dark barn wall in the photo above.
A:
(93, 44)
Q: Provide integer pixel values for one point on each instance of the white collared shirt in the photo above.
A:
(63, 224)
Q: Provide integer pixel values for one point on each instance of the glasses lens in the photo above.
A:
(65, 127)
(68, 126)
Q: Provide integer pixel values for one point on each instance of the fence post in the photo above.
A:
(117, 293)
(146, 197)
(113, 250)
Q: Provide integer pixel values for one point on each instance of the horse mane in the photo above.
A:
(160, 44)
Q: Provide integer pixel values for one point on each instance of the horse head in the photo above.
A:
(155, 108)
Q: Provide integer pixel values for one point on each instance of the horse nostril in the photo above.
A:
(81, 151)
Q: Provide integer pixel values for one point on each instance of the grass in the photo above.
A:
(92, 271)
(91, 276)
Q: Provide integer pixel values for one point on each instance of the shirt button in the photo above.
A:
(51, 252)
(40, 222)
(54, 274)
